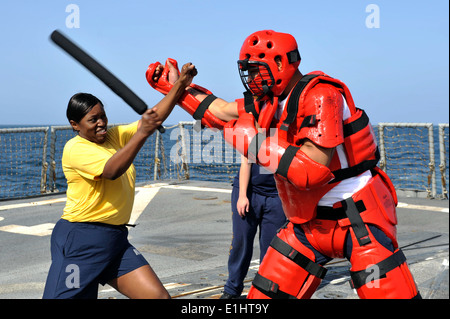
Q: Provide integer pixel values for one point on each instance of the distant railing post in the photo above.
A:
(44, 164)
(52, 172)
(157, 160)
(443, 159)
(184, 161)
(432, 160)
(382, 162)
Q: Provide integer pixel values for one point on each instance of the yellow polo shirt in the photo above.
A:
(91, 198)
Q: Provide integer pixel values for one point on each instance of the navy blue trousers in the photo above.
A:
(264, 212)
(85, 255)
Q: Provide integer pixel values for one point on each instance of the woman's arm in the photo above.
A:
(150, 121)
(123, 158)
(220, 108)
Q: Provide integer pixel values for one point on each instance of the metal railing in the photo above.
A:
(420, 145)
(30, 158)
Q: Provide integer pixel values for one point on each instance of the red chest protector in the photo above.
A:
(314, 111)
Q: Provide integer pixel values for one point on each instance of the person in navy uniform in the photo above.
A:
(254, 202)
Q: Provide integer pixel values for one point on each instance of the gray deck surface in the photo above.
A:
(184, 231)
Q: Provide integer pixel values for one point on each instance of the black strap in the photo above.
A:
(269, 288)
(359, 278)
(286, 160)
(286, 250)
(249, 105)
(330, 213)
(352, 171)
(203, 106)
(255, 144)
(293, 56)
(350, 129)
(309, 120)
(357, 125)
(357, 224)
(292, 105)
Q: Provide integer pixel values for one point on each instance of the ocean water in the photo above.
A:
(208, 158)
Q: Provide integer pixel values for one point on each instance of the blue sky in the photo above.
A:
(398, 72)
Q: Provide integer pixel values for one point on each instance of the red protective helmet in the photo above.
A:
(257, 62)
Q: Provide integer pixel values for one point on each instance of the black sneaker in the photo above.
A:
(228, 296)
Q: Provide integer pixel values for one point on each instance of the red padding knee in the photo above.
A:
(378, 273)
(288, 270)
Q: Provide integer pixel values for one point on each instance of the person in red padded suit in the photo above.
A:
(307, 130)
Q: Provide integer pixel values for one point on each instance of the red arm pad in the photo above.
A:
(199, 110)
(283, 159)
(294, 165)
(275, 154)
(240, 132)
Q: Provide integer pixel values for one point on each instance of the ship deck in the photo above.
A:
(184, 231)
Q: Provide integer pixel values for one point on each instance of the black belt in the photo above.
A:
(352, 211)
(330, 213)
(120, 227)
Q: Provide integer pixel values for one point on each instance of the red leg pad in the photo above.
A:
(378, 273)
(281, 276)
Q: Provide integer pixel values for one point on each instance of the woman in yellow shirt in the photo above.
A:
(89, 244)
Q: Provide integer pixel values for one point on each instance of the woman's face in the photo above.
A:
(93, 125)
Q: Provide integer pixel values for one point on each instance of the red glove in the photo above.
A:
(187, 101)
(162, 84)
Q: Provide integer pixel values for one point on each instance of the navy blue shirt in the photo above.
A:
(261, 181)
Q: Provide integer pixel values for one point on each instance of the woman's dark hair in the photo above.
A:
(79, 105)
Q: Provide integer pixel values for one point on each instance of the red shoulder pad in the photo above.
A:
(325, 101)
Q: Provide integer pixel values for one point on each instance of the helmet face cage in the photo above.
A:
(256, 77)
(277, 52)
